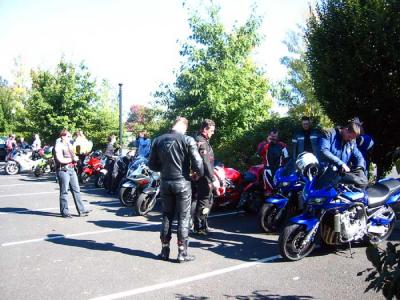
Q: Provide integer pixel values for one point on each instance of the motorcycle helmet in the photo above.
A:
(307, 162)
(97, 153)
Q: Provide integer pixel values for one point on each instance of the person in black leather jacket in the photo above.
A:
(204, 184)
(174, 154)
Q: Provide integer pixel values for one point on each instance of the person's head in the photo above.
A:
(111, 139)
(65, 135)
(11, 136)
(305, 123)
(273, 136)
(352, 130)
(142, 134)
(180, 125)
(36, 136)
(207, 128)
(79, 133)
(21, 139)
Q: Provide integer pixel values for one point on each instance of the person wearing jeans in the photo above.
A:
(65, 167)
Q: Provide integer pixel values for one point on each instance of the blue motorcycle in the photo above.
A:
(339, 213)
(286, 200)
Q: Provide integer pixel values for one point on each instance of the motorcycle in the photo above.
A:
(20, 161)
(46, 161)
(92, 166)
(252, 196)
(286, 200)
(338, 213)
(140, 187)
(228, 191)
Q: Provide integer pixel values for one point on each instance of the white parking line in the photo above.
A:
(43, 193)
(168, 284)
(61, 236)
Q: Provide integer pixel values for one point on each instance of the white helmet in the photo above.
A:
(305, 161)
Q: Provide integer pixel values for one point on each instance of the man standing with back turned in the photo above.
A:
(174, 154)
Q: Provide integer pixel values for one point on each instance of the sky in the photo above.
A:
(133, 42)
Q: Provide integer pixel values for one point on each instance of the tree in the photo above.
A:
(69, 98)
(218, 79)
(354, 61)
(297, 91)
(143, 118)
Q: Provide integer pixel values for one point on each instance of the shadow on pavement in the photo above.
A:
(258, 295)
(19, 210)
(93, 245)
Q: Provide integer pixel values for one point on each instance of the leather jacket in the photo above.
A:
(299, 142)
(207, 154)
(174, 155)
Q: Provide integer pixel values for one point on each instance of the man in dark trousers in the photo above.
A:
(174, 154)
(205, 183)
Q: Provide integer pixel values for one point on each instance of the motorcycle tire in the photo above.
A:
(252, 202)
(267, 218)
(375, 239)
(290, 243)
(127, 197)
(99, 183)
(145, 203)
(12, 168)
(84, 178)
(38, 171)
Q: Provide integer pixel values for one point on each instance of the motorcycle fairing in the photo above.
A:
(278, 200)
(305, 219)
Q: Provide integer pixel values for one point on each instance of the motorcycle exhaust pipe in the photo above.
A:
(336, 222)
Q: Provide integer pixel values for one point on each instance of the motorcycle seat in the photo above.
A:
(379, 192)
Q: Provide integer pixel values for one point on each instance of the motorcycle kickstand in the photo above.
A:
(351, 253)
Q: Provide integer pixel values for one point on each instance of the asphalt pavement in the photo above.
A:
(112, 254)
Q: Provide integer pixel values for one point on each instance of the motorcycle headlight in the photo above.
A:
(285, 183)
(316, 201)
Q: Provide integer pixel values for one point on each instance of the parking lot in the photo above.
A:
(112, 254)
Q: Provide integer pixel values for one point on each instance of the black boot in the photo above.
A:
(164, 255)
(183, 256)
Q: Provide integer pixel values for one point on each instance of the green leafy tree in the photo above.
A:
(297, 91)
(143, 118)
(354, 61)
(70, 99)
(219, 80)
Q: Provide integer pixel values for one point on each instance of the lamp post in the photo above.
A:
(120, 116)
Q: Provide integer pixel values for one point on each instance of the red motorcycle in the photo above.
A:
(255, 188)
(229, 189)
(92, 166)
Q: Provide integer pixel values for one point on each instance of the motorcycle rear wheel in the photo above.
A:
(99, 183)
(127, 197)
(251, 201)
(290, 243)
(84, 178)
(375, 239)
(12, 168)
(145, 203)
(267, 217)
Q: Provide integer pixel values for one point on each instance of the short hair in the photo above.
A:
(305, 118)
(207, 123)
(182, 120)
(64, 132)
(354, 125)
(273, 130)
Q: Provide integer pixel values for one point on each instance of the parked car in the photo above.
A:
(3, 152)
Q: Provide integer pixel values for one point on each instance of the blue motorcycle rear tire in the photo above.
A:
(290, 242)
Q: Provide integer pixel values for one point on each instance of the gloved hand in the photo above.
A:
(345, 168)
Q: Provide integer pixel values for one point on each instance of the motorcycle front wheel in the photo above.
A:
(12, 168)
(145, 203)
(127, 196)
(271, 218)
(291, 245)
